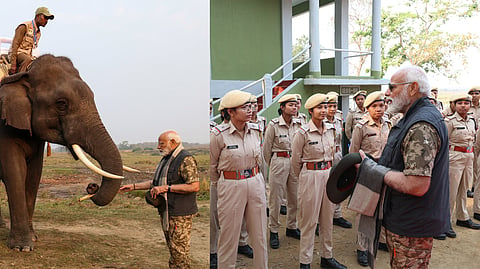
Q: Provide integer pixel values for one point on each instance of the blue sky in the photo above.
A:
(146, 61)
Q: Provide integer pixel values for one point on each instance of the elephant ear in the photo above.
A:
(15, 106)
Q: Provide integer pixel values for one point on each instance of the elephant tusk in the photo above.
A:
(129, 169)
(78, 150)
(85, 197)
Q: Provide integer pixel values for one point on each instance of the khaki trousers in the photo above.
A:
(282, 180)
(460, 173)
(238, 199)
(215, 227)
(314, 207)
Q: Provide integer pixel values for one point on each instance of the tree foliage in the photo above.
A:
(418, 33)
(299, 45)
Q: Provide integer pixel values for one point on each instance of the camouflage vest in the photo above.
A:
(30, 40)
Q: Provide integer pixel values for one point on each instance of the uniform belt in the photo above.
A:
(240, 174)
(319, 165)
(283, 154)
(463, 149)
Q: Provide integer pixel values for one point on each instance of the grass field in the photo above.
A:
(124, 234)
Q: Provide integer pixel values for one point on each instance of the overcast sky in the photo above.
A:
(146, 61)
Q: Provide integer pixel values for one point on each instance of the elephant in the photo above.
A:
(49, 103)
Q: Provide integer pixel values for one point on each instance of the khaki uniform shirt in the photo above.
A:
(230, 151)
(461, 132)
(26, 38)
(279, 136)
(370, 136)
(338, 124)
(353, 117)
(311, 144)
(302, 117)
(475, 112)
(447, 112)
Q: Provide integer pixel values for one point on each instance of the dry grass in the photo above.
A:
(124, 234)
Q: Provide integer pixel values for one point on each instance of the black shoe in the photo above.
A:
(383, 246)
(331, 263)
(304, 266)
(469, 224)
(342, 223)
(362, 258)
(451, 233)
(317, 231)
(283, 210)
(246, 250)
(274, 243)
(213, 260)
(476, 216)
(295, 233)
(470, 194)
(440, 237)
(268, 212)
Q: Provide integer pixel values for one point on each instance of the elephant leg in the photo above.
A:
(15, 172)
(34, 174)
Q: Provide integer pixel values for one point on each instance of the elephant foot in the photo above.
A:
(23, 244)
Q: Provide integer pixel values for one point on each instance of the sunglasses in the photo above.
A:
(392, 85)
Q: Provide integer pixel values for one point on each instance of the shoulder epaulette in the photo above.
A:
(362, 122)
(296, 120)
(253, 126)
(220, 128)
(474, 122)
(450, 117)
(275, 120)
(304, 129)
(329, 125)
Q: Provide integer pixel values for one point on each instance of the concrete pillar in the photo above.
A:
(314, 38)
(287, 36)
(341, 37)
(376, 38)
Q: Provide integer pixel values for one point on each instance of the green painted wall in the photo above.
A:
(245, 38)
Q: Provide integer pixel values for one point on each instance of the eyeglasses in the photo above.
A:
(392, 85)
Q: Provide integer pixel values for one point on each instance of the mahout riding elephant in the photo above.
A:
(50, 102)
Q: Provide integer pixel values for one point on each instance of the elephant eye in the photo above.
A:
(61, 105)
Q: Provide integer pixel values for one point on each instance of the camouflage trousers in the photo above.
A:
(178, 239)
(409, 252)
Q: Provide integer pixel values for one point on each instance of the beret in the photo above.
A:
(234, 98)
(299, 97)
(315, 100)
(364, 93)
(462, 97)
(254, 99)
(332, 97)
(474, 89)
(288, 98)
(373, 97)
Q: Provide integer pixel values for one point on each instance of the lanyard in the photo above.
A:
(34, 34)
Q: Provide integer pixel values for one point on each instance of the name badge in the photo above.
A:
(460, 128)
(232, 147)
(313, 142)
(368, 135)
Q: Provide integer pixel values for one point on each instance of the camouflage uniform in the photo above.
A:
(178, 239)
(410, 252)
(178, 235)
(420, 147)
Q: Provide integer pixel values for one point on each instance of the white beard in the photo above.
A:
(399, 103)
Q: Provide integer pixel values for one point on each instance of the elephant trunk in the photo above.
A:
(105, 152)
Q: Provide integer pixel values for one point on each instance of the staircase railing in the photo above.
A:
(267, 82)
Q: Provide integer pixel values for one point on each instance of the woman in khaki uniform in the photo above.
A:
(370, 135)
(235, 160)
(461, 134)
(312, 155)
(277, 151)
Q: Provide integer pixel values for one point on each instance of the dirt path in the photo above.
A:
(461, 252)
